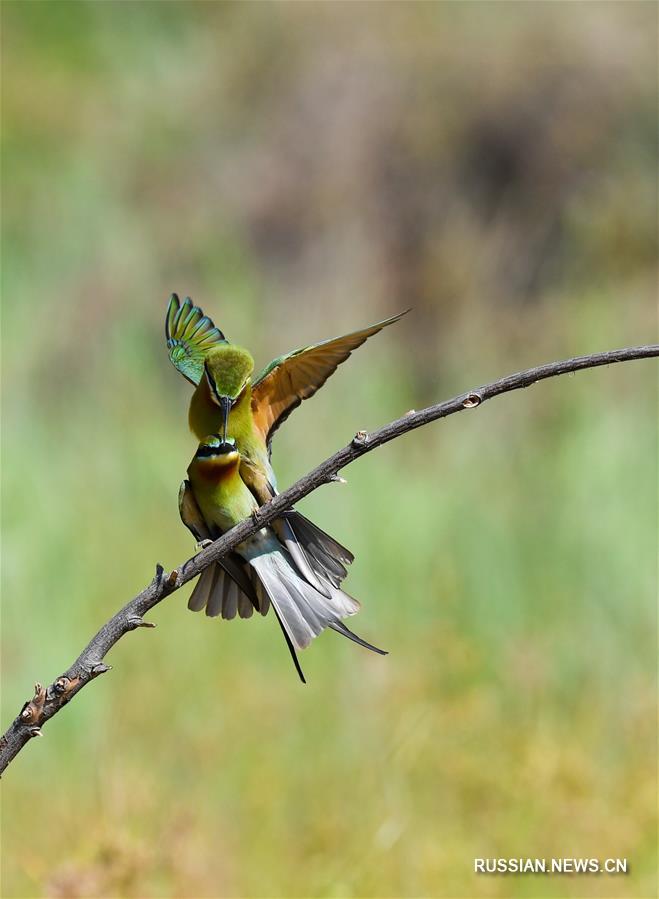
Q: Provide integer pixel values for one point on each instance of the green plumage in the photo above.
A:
(262, 569)
(190, 335)
(300, 567)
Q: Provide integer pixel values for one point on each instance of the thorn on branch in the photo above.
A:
(360, 438)
(136, 621)
(99, 669)
(164, 581)
(171, 580)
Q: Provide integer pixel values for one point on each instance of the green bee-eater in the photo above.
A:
(259, 571)
(228, 401)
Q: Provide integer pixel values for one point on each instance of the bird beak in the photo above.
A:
(225, 406)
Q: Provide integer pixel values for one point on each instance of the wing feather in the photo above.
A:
(191, 514)
(287, 380)
(190, 335)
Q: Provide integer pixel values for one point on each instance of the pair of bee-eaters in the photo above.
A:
(291, 564)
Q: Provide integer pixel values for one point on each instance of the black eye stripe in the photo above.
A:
(205, 451)
(212, 386)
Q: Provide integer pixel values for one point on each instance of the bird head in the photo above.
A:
(227, 370)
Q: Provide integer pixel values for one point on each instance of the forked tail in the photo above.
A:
(302, 611)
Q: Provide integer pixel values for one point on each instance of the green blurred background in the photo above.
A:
(301, 170)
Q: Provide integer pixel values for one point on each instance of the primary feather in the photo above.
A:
(289, 379)
(190, 335)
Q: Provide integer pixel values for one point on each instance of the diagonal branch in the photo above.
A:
(47, 701)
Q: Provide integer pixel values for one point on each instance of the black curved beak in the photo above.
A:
(225, 406)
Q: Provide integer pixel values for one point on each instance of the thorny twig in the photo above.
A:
(47, 701)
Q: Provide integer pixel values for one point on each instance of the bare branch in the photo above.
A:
(47, 701)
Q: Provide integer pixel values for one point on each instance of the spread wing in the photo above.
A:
(286, 381)
(190, 335)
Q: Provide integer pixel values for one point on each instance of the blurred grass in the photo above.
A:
(302, 170)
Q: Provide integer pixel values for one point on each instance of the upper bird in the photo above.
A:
(230, 402)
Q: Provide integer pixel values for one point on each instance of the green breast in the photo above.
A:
(221, 495)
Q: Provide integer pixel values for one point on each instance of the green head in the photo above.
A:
(228, 370)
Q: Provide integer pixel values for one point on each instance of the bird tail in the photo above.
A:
(326, 556)
(302, 611)
(226, 592)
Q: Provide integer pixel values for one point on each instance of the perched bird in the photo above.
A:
(228, 401)
(260, 571)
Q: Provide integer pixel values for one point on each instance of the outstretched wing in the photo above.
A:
(190, 335)
(286, 381)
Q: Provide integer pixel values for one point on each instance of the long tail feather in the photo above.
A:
(340, 628)
(291, 648)
(302, 611)
(303, 563)
(326, 556)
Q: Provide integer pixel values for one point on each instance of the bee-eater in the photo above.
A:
(228, 401)
(260, 570)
